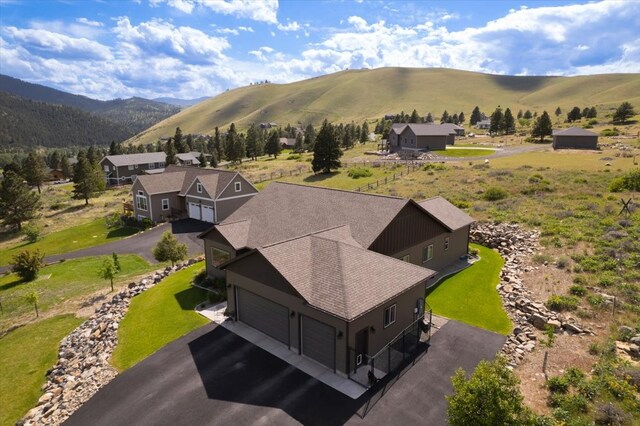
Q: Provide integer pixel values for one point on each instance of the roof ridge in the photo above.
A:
(348, 191)
(309, 234)
(234, 221)
(432, 198)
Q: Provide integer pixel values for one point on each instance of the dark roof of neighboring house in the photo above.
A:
(422, 129)
(333, 273)
(308, 209)
(141, 158)
(451, 216)
(288, 141)
(180, 178)
(573, 131)
(486, 121)
(186, 156)
(449, 126)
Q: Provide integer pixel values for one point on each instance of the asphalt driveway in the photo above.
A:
(212, 376)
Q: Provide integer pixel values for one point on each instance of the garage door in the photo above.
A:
(319, 341)
(194, 211)
(207, 213)
(264, 315)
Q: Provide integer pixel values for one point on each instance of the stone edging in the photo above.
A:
(516, 245)
(83, 357)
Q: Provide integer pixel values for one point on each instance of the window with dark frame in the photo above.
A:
(427, 253)
(389, 315)
(446, 243)
(238, 186)
(198, 187)
(165, 204)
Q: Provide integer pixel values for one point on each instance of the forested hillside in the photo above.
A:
(25, 123)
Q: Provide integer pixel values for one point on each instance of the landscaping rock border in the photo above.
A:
(516, 245)
(83, 357)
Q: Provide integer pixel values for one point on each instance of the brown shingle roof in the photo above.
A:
(339, 277)
(423, 129)
(445, 212)
(141, 158)
(573, 131)
(180, 178)
(162, 182)
(283, 211)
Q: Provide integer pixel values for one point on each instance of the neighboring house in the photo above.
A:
(209, 195)
(287, 143)
(574, 138)
(342, 276)
(419, 137)
(126, 168)
(55, 174)
(454, 129)
(188, 159)
(484, 124)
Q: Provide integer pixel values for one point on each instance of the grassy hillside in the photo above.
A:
(369, 94)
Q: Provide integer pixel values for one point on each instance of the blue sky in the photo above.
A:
(193, 48)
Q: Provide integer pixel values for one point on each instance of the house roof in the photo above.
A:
(333, 273)
(284, 210)
(422, 129)
(180, 178)
(451, 216)
(449, 126)
(573, 131)
(141, 158)
(186, 156)
(162, 182)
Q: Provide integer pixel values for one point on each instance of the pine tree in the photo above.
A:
(92, 155)
(415, 118)
(217, 145)
(558, 112)
(429, 118)
(273, 147)
(65, 167)
(34, 170)
(202, 159)
(461, 118)
(527, 115)
(574, 115)
(309, 137)
(170, 150)
(297, 147)
(454, 118)
(593, 113)
(509, 122)
(213, 161)
(542, 127)
(364, 132)
(520, 114)
(178, 141)
(326, 152)
(169, 248)
(445, 117)
(234, 145)
(585, 112)
(497, 122)
(189, 142)
(17, 202)
(54, 160)
(88, 180)
(475, 116)
(113, 150)
(253, 141)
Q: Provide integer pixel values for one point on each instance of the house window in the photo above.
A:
(165, 204)
(106, 168)
(130, 167)
(161, 164)
(152, 165)
(141, 202)
(427, 253)
(389, 315)
(219, 256)
(198, 187)
(238, 186)
(187, 162)
(406, 258)
(446, 243)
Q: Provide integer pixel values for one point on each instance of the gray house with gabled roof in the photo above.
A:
(574, 138)
(344, 274)
(125, 168)
(420, 137)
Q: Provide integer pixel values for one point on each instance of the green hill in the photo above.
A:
(370, 94)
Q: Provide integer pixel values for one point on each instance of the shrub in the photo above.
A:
(594, 349)
(577, 290)
(536, 178)
(114, 220)
(495, 194)
(541, 258)
(359, 172)
(434, 166)
(558, 384)
(611, 415)
(31, 232)
(562, 303)
(574, 376)
(562, 262)
(596, 300)
(146, 223)
(610, 132)
(27, 264)
(293, 157)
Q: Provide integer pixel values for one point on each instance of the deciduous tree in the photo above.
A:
(169, 249)
(27, 264)
(108, 271)
(17, 202)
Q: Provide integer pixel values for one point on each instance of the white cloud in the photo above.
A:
(50, 44)
(257, 10)
(289, 26)
(247, 29)
(227, 31)
(89, 22)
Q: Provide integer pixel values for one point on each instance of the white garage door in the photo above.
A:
(207, 213)
(194, 211)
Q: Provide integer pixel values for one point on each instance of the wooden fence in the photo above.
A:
(383, 181)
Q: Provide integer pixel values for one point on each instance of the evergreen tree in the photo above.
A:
(558, 112)
(364, 132)
(113, 148)
(13, 166)
(461, 118)
(415, 118)
(527, 115)
(298, 147)
(170, 150)
(234, 145)
(475, 116)
(202, 159)
(623, 113)
(17, 202)
(497, 122)
(520, 114)
(574, 115)
(88, 179)
(273, 147)
(542, 127)
(585, 112)
(454, 118)
(92, 155)
(213, 161)
(326, 152)
(535, 114)
(34, 170)
(54, 160)
(253, 142)
(179, 142)
(509, 122)
(159, 147)
(189, 142)
(65, 167)
(429, 118)
(309, 137)
(217, 145)
(592, 112)
(445, 117)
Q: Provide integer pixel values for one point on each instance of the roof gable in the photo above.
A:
(423, 129)
(445, 212)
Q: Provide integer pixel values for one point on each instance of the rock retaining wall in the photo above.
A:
(516, 245)
(83, 358)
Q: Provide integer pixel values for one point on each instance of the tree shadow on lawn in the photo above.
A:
(189, 298)
(12, 284)
(320, 177)
(71, 209)
(125, 231)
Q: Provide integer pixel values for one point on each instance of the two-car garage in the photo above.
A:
(318, 340)
(201, 212)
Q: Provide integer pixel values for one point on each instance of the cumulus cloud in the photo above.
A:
(289, 26)
(89, 22)
(262, 10)
(52, 44)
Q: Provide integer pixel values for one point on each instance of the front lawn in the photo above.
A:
(89, 234)
(60, 282)
(27, 353)
(470, 296)
(472, 152)
(159, 316)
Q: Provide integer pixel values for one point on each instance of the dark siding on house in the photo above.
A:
(410, 227)
(575, 142)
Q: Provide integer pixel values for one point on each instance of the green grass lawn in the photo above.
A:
(62, 281)
(158, 316)
(470, 296)
(461, 153)
(74, 238)
(27, 353)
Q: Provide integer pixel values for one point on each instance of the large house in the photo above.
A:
(125, 168)
(209, 195)
(420, 137)
(333, 275)
(574, 138)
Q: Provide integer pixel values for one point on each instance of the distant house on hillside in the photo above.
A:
(188, 159)
(574, 138)
(454, 129)
(209, 195)
(287, 143)
(484, 124)
(420, 137)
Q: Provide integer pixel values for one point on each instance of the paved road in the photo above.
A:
(212, 376)
(185, 230)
